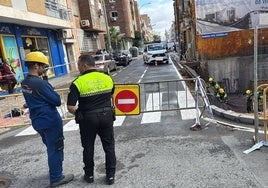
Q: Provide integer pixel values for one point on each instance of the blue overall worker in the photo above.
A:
(42, 100)
(93, 90)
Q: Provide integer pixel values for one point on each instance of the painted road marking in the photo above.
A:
(71, 126)
(154, 102)
(186, 99)
(119, 120)
(27, 131)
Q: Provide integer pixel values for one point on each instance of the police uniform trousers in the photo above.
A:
(53, 139)
(98, 122)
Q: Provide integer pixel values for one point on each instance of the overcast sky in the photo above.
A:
(160, 12)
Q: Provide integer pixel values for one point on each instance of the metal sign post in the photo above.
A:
(256, 104)
(262, 23)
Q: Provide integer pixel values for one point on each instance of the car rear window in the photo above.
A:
(154, 47)
(98, 58)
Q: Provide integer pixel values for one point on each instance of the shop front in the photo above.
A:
(16, 41)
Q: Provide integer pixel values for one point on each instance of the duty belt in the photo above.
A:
(104, 109)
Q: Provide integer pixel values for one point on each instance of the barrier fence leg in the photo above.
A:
(199, 87)
(197, 125)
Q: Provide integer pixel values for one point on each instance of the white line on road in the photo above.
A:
(27, 131)
(185, 99)
(119, 120)
(154, 102)
(71, 126)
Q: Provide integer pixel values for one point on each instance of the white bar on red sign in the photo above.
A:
(126, 101)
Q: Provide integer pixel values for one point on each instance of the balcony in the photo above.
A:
(56, 16)
(57, 10)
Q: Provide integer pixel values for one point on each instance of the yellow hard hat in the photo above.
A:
(248, 91)
(38, 57)
(221, 90)
(210, 79)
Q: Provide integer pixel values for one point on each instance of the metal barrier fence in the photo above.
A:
(12, 112)
(168, 95)
(154, 96)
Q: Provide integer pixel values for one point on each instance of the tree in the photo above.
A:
(115, 39)
(157, 38)
(137, 39)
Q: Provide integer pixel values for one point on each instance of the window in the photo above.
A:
(33, 43)
(114, 15)
(75, 8)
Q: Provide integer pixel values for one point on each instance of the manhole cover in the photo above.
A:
(4, 183)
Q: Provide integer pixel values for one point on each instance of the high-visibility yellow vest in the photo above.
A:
(94, 83)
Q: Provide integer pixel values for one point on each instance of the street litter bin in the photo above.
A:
(134, 51)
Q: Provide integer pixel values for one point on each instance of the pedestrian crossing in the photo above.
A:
(150, 117)
(153, 115)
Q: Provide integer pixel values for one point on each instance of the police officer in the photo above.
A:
(41, 99)
(93, 90)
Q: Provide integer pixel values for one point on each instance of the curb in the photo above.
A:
(233, 116)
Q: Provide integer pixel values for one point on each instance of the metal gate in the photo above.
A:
(154, 96)
(168, 95)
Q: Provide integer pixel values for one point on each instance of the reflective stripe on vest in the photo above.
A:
(93, 83)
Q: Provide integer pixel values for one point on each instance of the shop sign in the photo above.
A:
(5, 30)
(33, 31)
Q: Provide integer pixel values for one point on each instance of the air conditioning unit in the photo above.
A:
(85, 23)
(114, 18)
(65, 34)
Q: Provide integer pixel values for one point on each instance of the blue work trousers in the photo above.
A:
(53, 139)
(99, 123)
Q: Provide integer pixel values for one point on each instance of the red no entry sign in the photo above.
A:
(126, 99)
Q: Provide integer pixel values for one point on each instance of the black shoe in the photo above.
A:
(89, 179)
(110, 180)
(65, 179)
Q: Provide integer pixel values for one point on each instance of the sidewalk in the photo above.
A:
(63, 81)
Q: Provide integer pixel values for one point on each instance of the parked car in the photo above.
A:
(123, 57)
(104, 62)
(155, 53)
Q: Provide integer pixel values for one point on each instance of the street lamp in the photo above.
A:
(141, 28)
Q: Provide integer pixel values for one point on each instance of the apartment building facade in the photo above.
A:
(90, 25)
(121, 16)
(27, 25)
(146, 28)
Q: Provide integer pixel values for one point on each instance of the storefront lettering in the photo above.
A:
(5, 29)
(33, 32)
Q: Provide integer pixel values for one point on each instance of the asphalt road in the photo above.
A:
(149, 155)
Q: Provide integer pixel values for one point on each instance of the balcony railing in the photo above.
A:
(57, 10)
